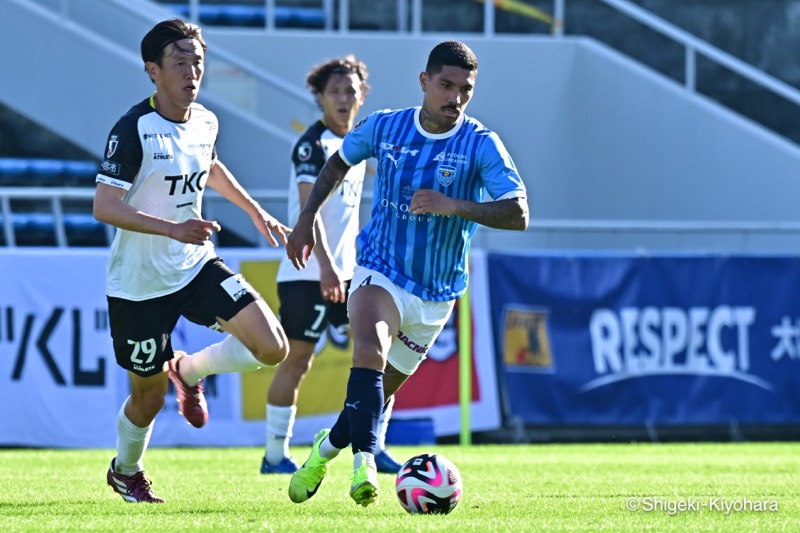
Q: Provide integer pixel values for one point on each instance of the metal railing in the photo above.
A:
(538, 232)
(692, 47)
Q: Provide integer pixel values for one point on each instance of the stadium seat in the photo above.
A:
(253, 16)
(80, 173)
(34, 229)
(39, 229)
(82, 229)
(41, 172)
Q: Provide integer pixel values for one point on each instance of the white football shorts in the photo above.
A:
(421, 321)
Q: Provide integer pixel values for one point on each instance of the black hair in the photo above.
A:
(318, 77)
(165, 33)
(452, 54)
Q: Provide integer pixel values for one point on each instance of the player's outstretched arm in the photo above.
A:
(501, 214)
(110, 208)
(221, 180)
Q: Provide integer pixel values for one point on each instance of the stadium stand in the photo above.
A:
(47, 202)
(253, 15)
(26, 172)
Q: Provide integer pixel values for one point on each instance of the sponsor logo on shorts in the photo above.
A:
(411, 344)
(236, 287)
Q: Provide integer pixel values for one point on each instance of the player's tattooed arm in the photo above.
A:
(511, 213)
(303, 238)
(330, 177)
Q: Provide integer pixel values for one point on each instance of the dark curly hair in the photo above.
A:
(319, 75)
(451, 54)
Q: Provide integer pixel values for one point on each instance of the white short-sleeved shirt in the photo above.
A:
(163, 166)
(339, 214)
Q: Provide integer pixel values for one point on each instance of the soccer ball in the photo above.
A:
(429, 483)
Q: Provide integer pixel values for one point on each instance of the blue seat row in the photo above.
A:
(251, 16)
(39, 229)
(22, 172)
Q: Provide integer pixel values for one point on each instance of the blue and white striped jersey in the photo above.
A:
(426, 254)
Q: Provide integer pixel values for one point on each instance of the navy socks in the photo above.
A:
(358, 421)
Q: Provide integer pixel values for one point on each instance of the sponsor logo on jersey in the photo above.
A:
(159, 155)
(193, 182)
(109, 167)
(156, 135)
(446, 174)
(399, 149)
(396, 153)
(452, 158)
(304, 151)
(307, 168)
(402, 212)
(526, 343)
(358, 125)
(112, 146)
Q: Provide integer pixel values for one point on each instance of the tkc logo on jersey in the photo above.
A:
(194, 182)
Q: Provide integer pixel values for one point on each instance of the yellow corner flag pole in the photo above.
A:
(465, 366)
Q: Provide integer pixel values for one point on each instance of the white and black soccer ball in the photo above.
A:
(429, 483)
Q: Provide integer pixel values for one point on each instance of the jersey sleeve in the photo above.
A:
(308, 158)
(498, 171)
(359, 144)
(123, 155)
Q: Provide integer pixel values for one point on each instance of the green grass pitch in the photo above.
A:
(573, 487)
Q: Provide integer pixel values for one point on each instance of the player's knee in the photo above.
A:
(298, 369)
(368, 355)
(272, 352)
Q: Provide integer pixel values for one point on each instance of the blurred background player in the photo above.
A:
(435, 168)
(160, 157)
(316, 296)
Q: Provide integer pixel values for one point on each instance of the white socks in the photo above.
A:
(131, 444)
(230, 355)
(383, 424)
(280, 421)
(364, 457)
(328, 450)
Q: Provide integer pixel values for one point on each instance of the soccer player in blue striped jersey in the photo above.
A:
(435, 168)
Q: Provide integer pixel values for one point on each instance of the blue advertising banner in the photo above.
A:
(629, 340)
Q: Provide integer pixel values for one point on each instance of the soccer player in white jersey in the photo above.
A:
(435, 167)
(160, 157)
(315, 297)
